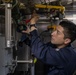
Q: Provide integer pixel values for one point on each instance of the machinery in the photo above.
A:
(15, 15)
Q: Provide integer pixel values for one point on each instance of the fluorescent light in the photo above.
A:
(70, 18)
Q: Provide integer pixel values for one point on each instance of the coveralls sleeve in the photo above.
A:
(42, 51)
(25, 39)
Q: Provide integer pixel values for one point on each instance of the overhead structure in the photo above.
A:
(14, 54)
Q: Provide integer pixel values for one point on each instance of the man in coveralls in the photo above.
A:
(58, 53)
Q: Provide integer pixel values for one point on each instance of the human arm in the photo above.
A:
(42, 51)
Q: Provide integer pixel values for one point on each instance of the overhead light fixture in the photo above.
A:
(70, 18)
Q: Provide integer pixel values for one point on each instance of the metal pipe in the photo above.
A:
(50, 6)
(24, 61)
(8, 25)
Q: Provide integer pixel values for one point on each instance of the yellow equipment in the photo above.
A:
(61, 8)
(49, 6)
(53, 27)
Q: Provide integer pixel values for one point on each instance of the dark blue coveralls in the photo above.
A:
(62, 62)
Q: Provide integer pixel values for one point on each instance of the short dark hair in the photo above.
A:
(69, 29)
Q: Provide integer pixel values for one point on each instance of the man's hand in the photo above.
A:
(34, 19)
(26, 31)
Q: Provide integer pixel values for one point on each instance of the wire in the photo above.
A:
(15, 4)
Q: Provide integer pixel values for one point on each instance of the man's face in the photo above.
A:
(57, 36)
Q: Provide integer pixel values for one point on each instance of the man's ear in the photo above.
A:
(67, 40)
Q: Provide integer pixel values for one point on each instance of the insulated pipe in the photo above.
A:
(8, 25)
(50, 7)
